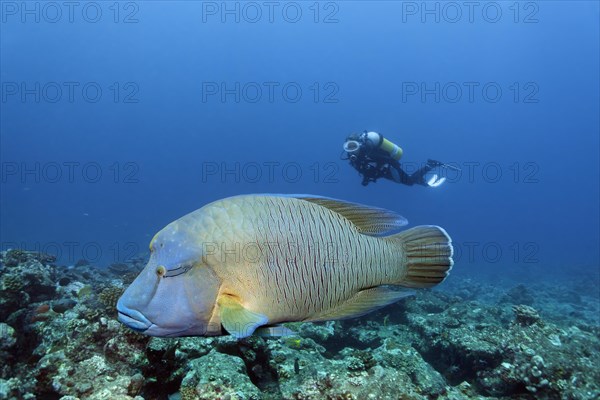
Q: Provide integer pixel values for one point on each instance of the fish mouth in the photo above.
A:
(134, 320)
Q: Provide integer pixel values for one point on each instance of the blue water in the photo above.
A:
(171, 108)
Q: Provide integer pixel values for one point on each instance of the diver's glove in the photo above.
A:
(433, 163)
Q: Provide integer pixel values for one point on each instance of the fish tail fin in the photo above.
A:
(427, 254)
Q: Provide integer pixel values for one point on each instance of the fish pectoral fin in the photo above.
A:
(364, 302)
(237, 320)
(368, 220)
(274, 331)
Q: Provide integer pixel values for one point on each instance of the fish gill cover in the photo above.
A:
(482, 118)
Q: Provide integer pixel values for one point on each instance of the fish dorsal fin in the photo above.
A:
(368, 220)
(237, 320)
(363, 303)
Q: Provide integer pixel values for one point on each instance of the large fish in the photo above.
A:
(249, 263)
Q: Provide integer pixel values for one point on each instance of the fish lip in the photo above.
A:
(134, 320)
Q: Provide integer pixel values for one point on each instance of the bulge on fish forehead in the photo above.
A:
(174, 246)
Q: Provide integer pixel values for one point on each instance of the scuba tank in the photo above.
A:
(372, 140)
(377, 140)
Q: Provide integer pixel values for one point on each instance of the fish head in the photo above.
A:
(175, 294)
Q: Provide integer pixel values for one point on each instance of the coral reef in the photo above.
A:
(218, 375)
(59, 339)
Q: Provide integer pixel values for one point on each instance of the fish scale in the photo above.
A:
(313, 274)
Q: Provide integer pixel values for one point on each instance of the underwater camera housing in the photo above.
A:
(371, 140)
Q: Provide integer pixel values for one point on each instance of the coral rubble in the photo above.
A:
(59, 339)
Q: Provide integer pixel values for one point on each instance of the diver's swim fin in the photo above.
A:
(435, 181)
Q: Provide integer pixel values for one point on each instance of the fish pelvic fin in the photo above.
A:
(368, 220)
(364, 302)
(237, 320)
(274, 331)
(427, 253)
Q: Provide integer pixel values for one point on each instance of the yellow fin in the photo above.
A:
(368, 220)
(364, 302)
(237, 320)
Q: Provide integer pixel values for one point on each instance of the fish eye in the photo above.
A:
(161, 271)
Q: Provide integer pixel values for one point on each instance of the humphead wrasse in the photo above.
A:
(249, 263)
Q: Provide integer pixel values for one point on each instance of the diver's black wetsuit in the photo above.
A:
(375, 163)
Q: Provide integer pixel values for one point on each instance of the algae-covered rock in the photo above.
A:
(7, 337)
(526, 315)
(218, 375)
(407, 360)
(320, 332)
(30, 279)
(525, 356)
(14, 257)
(9, 388)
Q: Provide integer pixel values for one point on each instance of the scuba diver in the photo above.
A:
(375, 157)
